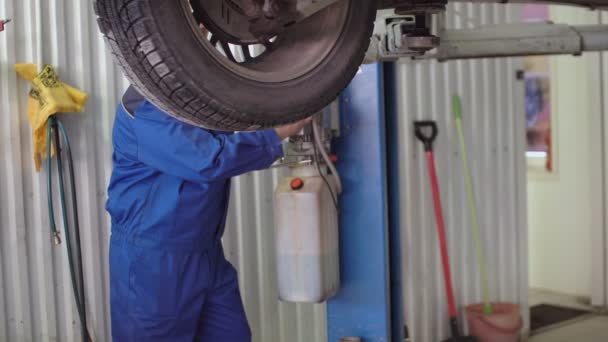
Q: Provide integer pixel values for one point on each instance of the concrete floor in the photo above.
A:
(538, 296)
(594, 329)
(591, 328)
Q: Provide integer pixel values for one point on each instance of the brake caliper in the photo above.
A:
(268, 18)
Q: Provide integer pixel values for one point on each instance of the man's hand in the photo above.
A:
(287, 131)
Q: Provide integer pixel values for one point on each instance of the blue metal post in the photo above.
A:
(392, 149)
(363, 306)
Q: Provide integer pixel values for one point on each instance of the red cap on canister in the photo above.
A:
(297, 183)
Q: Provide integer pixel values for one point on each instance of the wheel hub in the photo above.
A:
(270, 17)
(263, 55)
(246, 21)
(225, 19)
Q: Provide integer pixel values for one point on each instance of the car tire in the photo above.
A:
(157, 45)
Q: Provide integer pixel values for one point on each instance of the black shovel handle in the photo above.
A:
(426, 131)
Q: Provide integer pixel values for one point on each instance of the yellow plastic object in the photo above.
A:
(47, 97)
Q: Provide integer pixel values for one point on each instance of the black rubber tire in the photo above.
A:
(162, 57)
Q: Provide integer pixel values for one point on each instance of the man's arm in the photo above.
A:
(198, 155)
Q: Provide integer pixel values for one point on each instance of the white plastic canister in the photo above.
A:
(307, 246)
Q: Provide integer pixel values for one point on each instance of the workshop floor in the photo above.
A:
(593, 329)
(590, 328)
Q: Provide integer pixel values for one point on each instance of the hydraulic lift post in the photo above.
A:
(362, 308)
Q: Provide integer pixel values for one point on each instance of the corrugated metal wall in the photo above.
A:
(494, 126)
(35, 299)
(36, 302)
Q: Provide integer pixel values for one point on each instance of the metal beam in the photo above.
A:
(521, 40)
(592, 4)
(506, 40)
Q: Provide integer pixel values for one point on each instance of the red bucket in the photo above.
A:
(504, 325)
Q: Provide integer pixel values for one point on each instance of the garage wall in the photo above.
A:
(36, 302)
(35, 297)
(493, 115)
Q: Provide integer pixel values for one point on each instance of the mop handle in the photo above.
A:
(487, 308)
(442, 237)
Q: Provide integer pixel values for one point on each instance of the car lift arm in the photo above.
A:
(396, 37)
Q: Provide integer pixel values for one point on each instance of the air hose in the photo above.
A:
(55, 126)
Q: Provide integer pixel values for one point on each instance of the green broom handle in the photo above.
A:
(487, 308)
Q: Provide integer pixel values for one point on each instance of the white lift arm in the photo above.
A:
(522, 40)
(392, 41)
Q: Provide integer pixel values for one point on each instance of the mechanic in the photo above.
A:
(168, 199)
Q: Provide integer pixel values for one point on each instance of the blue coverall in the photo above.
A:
(168, 199)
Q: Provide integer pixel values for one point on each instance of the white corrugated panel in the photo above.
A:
(35, 299)
(494, 128)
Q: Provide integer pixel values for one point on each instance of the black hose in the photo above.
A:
(79, 294)
(76, 226)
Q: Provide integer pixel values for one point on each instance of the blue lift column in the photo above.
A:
(363, 306)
